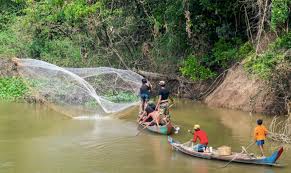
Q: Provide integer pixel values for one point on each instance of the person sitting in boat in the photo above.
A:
(153, 117)
(144, 93)
(163, 103)
(149, 109)
(202, 136)
(260, 134)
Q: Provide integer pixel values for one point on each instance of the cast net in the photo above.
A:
(80, 91)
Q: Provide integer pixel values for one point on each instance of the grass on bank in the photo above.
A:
(12, 89)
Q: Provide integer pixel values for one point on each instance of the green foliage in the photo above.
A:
(279, 12)
(92, 33)
(194, 70)
(264, 64)
(122, 97)
(224, 53)
(11, 44)
(59, 10)
(283, 42)
(62, 52)
(244, 50)
(12, 89)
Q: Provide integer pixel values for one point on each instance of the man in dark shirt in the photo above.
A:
(163, 102)
(144, 93)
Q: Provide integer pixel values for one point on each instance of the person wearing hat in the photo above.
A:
(202, 136)
(144, 93)
(163, 102)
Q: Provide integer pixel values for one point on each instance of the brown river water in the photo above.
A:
(35, 139)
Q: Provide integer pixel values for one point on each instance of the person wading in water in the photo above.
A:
(144, 93)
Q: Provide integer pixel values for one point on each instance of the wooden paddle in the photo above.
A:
(244, 149)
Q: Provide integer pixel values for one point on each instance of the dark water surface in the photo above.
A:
(34, 139)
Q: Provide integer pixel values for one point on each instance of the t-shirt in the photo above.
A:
(202, 136)
(164, 93)
(144, 89)
(260, 132)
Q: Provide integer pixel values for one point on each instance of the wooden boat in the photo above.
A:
(234, 157)
(166, 129)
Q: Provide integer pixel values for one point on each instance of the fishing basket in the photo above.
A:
(224, 150)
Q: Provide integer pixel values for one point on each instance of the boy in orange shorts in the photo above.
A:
(260, 134)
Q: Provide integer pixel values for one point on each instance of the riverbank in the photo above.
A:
(236, 89)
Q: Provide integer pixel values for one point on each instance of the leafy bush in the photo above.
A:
(61, 52)
(263, 65)
(279, 12)
(283, 42)
(194, 70)
(12, 89)
(226, 52)
(10, 45)
(244, 50)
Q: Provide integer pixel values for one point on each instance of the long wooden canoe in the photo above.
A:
(166, 129)
(234, 157)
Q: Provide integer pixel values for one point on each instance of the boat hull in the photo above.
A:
(235, 157)
(163, 130)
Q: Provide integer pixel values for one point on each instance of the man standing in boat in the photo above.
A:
(144, 93)
(163, 102)
(260, 134)
(202, 136)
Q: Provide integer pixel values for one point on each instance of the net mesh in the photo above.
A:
(80, 91)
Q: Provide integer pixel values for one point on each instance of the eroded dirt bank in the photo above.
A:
(7, 68)
(241, 91)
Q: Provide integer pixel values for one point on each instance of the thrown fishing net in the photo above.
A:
(80, 91)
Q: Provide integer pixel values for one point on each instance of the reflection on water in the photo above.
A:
(34, 139)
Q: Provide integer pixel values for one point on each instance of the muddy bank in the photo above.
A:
(7, 68)
(178, 86)
(235, 89)
(245, 92)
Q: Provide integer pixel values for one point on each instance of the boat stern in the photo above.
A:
(274, 157)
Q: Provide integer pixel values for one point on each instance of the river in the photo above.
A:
(35, 139)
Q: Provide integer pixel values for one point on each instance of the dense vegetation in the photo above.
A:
(195, 38)
(12, 89)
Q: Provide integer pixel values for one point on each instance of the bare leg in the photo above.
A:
(141, 108)
(262, 150)
(145, 104)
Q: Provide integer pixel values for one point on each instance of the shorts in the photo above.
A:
(260, 142)
(164, 108)
(144, 97)
(199, 147)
